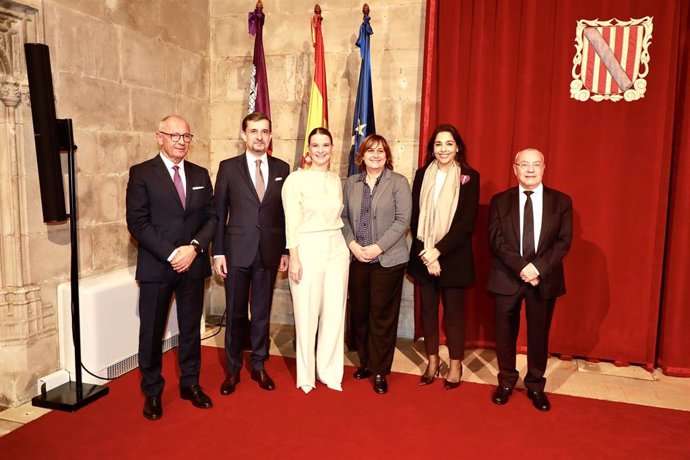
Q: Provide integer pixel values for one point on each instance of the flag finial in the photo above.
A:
(260, 5)
(365, 10)
(317, 10)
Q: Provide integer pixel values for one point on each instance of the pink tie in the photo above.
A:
(177, 180)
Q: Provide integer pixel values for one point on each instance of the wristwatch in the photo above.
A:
(197, 247)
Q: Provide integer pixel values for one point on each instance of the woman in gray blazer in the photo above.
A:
(376, 214)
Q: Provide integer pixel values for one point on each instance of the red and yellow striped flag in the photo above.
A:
(318, 98)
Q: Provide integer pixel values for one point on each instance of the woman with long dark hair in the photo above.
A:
(445, 198)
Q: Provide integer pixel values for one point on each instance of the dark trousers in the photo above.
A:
(453, 317)
(154, 306)
(538, 312)
(241, 284)
(375, 293)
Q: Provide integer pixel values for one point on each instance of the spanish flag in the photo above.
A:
(318, 99)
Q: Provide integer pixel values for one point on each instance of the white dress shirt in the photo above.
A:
(169, 166)
(251, 164)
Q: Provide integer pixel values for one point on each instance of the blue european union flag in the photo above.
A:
(363, 122)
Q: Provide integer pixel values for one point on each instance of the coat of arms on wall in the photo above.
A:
(611, 59)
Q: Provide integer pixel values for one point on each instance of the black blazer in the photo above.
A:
(456, 259)
(247, 225)
(159, 223)
(504, 241)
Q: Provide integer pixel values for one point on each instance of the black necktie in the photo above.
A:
(528, 251)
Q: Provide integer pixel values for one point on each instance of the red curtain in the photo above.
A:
(501, 72)
(674, 340)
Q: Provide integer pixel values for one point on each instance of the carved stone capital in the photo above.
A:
(10, 94)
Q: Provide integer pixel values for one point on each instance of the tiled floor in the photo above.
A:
(605, 381)
(576, 378)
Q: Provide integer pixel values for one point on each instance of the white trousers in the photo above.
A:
(319, 306)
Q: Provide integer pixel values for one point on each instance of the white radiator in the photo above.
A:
(109, 314)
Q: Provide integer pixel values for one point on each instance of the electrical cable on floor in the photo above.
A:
(94, 375)
(220, 325)
(74, 340)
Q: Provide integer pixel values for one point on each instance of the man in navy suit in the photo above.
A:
(249, 246)
(530, 231)
(170, 213)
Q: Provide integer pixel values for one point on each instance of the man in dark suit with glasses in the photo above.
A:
(171, 215)
(530, 231)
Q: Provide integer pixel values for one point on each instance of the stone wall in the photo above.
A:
(396, 62)
(118, 67)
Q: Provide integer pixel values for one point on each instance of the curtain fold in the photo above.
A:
(674, 341)
(501, 72)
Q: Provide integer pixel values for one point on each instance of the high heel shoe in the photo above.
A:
(448, 385)
(426, 379)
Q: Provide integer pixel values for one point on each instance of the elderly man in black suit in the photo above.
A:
(530, 231)
(249, 245)
(170, 213)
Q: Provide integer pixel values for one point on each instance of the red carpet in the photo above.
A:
(408, 422)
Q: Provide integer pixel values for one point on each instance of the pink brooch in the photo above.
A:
(464, 178)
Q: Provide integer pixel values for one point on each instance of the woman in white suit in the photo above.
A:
(312, 199)
(376, 215)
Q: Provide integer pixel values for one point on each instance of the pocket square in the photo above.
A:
(464, 178)
(279, 178)
(197, 187)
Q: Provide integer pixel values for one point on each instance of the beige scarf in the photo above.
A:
(435, 218)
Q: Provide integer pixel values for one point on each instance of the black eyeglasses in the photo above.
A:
(175, 137)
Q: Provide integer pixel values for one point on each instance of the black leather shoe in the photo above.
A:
(265, 382)
(229, 384)
(362, 373)
(153, 408)
(380, 384)
(501, 395)
(539, 400)
(195, 394)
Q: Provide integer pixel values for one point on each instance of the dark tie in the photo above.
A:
(260, 184)
(177, 180)
(528, 251)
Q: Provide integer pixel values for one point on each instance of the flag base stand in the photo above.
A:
(69, 397)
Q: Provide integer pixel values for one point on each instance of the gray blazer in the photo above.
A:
(391, 209)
